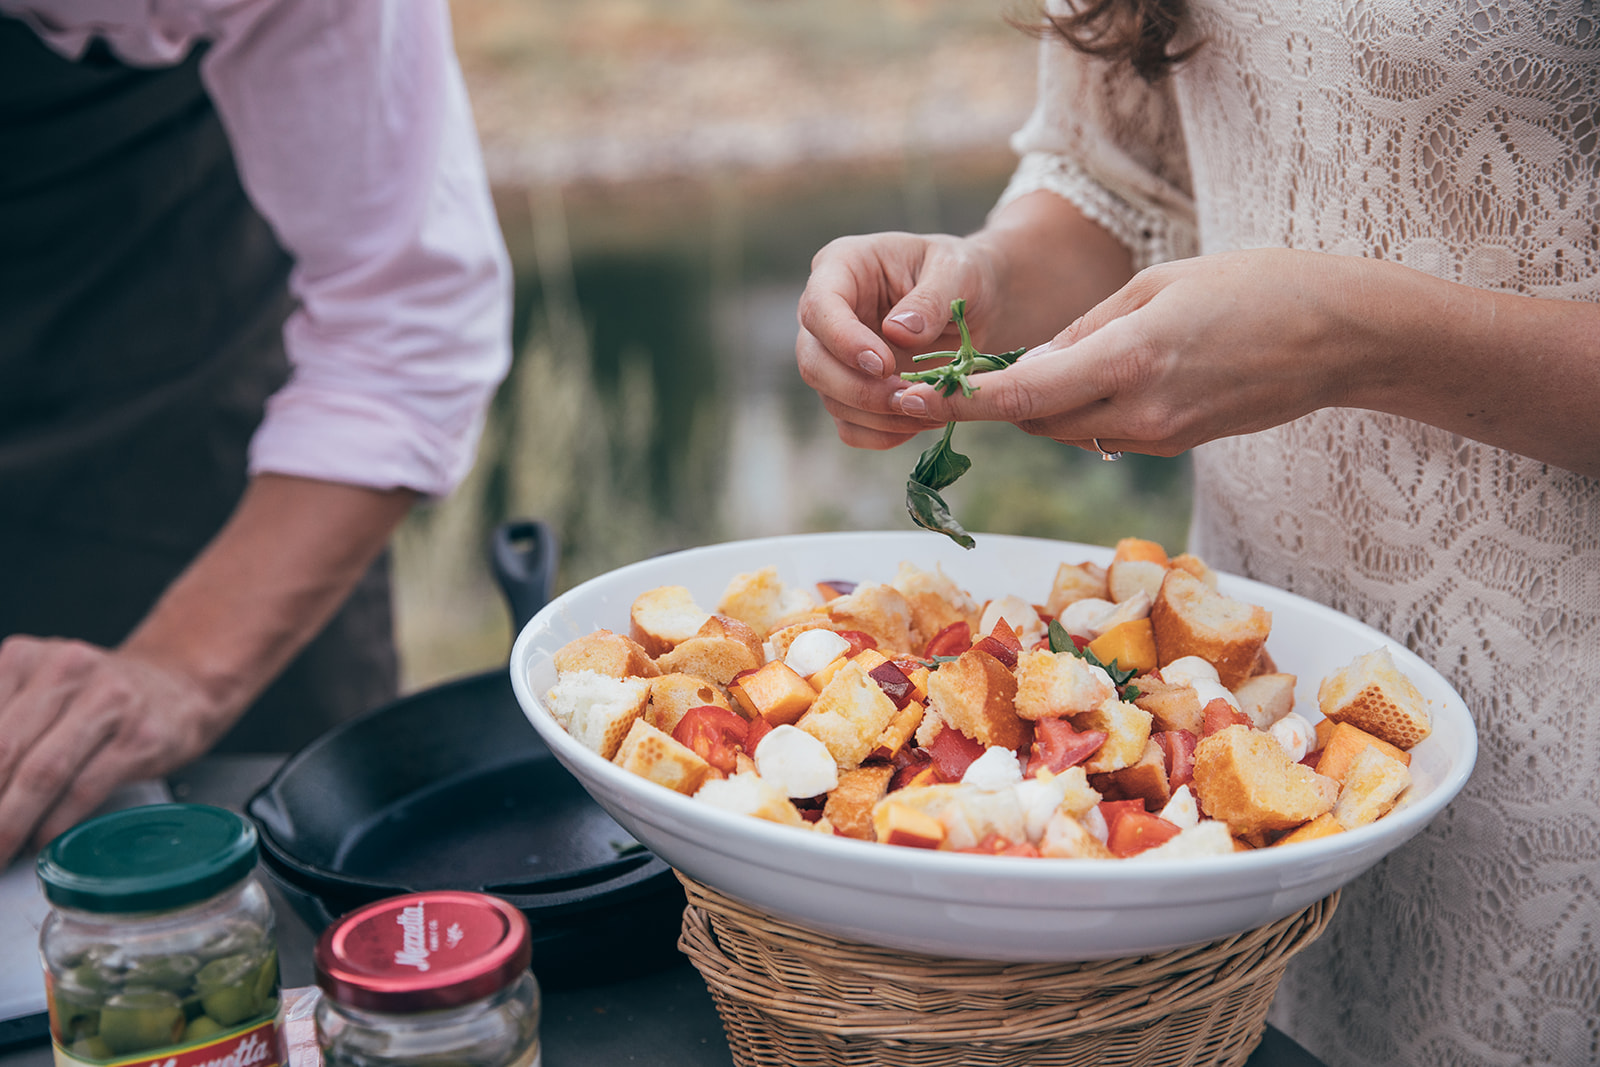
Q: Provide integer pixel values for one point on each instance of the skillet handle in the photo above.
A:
(524, 554)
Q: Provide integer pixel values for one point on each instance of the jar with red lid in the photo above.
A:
(428, 979)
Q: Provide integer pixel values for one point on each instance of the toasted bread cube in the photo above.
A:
(1139, 548)
(901, 729)
(1067, 838)
(1127, 578)
(879, 610)
(1171, 707)
(605, 653)
(661, 618)
(720, 649)
(968, 813)
(1373, 694)
(849, 805)
(1145, 779)
(655, 756)
(1266, 698)
(898, 824)
(1127, 730)
(774, 692)
(750, 794)
(1197, 567)
(1324, 825)
(976, 694)
(762, 602)
(849, 715)
(1074, 582)
(1372, 785)
(1192, 619)
(935, 602)
(1344, 744)
(672, 695)
(1054, 685)
(1130, 645)
(597, 709)
(1244, 777)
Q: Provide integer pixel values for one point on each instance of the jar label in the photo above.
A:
(255, 1046)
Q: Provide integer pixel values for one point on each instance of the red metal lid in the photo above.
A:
(423, 952)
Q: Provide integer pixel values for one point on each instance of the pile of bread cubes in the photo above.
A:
(910, 713)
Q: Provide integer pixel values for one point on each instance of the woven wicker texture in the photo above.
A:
(790, 996)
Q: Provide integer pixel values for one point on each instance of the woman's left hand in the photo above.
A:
(1185, 352)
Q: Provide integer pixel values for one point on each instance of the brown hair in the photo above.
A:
(1137, 32)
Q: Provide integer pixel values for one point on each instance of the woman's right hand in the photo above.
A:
(873, 302)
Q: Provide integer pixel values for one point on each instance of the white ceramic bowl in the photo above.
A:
(970, 906)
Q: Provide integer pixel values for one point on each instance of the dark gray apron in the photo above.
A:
(142, 300)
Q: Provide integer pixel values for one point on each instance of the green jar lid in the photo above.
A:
(152, 858)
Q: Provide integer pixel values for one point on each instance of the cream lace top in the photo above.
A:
(1459, 138)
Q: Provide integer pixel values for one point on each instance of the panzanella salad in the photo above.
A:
(1131, 711)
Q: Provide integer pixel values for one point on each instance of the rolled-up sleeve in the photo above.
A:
(1113, 145)
(353, 136)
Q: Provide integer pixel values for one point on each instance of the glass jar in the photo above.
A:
(159, 947)
(428, 979)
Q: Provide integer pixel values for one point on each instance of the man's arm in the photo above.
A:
(76, 721)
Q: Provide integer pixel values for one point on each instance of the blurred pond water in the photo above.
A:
(654, 403)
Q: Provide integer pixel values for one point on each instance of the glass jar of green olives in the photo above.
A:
(436, 979)
(159, 947)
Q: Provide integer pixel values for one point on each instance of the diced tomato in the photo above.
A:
(859, 641)
(953, 752)
(1219, 714)
(1057, 746)
(716, 734)
(1136, 831)
(1001, 643)
(1080, 642)
(1114, 810)
(950, 641)
(893, 681)
(1311, 759)
(759, 728)
(999, 845)
(1178, 746)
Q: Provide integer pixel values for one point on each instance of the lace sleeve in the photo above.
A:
(1112, 144)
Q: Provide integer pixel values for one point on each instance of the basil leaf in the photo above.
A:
(940, 464)
(1060, 640)
(928, 510)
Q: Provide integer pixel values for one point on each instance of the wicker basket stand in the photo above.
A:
(790, 996)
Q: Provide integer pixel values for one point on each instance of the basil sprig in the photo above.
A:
(1061, 641)
(941, 464)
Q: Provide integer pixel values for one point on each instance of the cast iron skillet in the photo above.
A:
(452, 788)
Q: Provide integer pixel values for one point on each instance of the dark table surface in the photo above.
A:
(665, 1019)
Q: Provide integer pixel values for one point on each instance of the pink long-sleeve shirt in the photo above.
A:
(353, 137)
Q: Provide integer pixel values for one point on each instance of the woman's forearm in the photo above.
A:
(1512, 371)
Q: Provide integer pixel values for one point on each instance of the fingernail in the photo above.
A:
(910, 404)
(1040, 350)
(911, 320)
(871, 362)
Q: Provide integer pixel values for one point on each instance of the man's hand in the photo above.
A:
(77, 721)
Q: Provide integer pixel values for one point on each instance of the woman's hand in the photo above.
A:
(1186, 352)
(871, 303)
